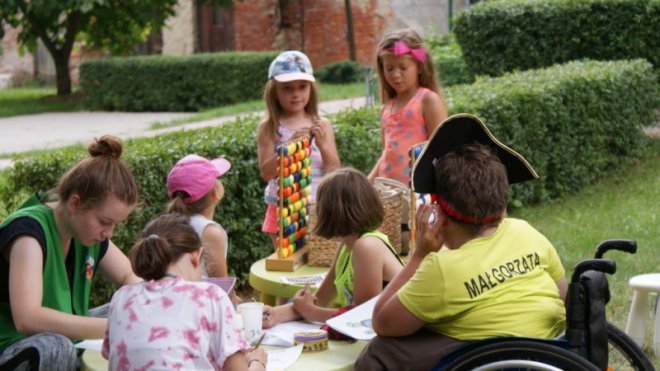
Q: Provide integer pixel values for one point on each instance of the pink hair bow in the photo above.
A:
(401, 48)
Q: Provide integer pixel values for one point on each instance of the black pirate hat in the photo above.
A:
(454, 132)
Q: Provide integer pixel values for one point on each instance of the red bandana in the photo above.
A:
(451, 211)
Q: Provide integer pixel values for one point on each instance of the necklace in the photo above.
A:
(171, 275)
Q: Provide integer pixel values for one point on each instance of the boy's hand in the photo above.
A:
(428, 237)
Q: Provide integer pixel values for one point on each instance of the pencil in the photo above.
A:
(260, 340)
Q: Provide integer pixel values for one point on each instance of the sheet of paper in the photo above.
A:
(281, 359)
(94, 344)
(226, 283)
(356, 323)
(282, 334)
(312, 279)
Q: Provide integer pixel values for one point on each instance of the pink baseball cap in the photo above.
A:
(195, 175)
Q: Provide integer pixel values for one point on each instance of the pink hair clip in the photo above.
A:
(401, 48)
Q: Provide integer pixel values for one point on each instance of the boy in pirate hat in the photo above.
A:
(498, 277)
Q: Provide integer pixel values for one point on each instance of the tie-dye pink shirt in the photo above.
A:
(171, 325)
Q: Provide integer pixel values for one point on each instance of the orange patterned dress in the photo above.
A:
(401, 130)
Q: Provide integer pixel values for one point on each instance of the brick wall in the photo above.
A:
(318, 28)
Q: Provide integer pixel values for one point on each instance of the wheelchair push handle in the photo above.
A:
(601, 265)
(629, 246)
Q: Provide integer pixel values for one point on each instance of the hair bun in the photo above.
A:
(107, 145)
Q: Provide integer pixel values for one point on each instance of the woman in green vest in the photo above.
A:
(49, 251)
(349, 209)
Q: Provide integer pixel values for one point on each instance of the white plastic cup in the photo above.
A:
(252, 314)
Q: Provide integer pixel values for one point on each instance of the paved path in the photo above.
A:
(51, 130)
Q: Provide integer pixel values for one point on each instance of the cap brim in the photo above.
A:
(293, 76)
(221, 164)
(454, 132)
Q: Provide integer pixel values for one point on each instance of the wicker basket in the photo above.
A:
(395, 197)
(392, 222)
(321, 251)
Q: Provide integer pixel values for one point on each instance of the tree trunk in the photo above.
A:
(349, 30)
(62, 73)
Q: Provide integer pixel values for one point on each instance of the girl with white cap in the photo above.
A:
(291, 112)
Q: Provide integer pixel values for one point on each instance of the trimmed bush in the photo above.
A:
(448, 57)
(502, 36)
(344, 72)
(573, 122)
(169, 83)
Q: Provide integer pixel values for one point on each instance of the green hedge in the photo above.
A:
(573, 123)
(343, 72)
(169, 83)
(449, 62)
(502, 36)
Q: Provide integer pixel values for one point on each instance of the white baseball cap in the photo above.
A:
(291, 65)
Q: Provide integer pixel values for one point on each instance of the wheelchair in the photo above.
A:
(589, 342)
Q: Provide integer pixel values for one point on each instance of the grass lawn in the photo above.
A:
(624, 206)
(32, 100)
(327, 92)
(24, 101)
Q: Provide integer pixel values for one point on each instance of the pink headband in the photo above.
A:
(449, 210)
(401, 48)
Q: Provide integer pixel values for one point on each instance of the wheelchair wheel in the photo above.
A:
(508, 354)
(624, 353)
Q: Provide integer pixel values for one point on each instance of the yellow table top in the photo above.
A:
(341, 355)
(270, 283)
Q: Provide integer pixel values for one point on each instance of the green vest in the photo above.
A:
(344, 270)
(56, 292)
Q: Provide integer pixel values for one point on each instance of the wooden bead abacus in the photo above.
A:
(294, 175)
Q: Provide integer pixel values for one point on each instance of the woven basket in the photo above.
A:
(396, 197)
(392, 222)
(321, 251)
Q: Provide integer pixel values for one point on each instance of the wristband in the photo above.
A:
(258, 361)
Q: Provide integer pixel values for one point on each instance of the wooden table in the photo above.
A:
(341, 355)
(270, 285)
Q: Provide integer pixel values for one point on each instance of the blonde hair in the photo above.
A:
(274, 110)
(427, 77)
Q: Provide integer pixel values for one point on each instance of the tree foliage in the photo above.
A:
(112, 25)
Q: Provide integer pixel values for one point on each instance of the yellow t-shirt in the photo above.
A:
(499, 285)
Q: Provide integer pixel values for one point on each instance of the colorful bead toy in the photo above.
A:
(294, 173)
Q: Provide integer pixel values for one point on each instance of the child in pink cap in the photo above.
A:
(194, 188)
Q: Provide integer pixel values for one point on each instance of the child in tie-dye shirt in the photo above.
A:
(172, 320)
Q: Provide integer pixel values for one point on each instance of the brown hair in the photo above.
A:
(93, 179)
(269, 125)
(427, 77)
(347, 203)
(163, 241)
(474, 181)
(176, 205)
